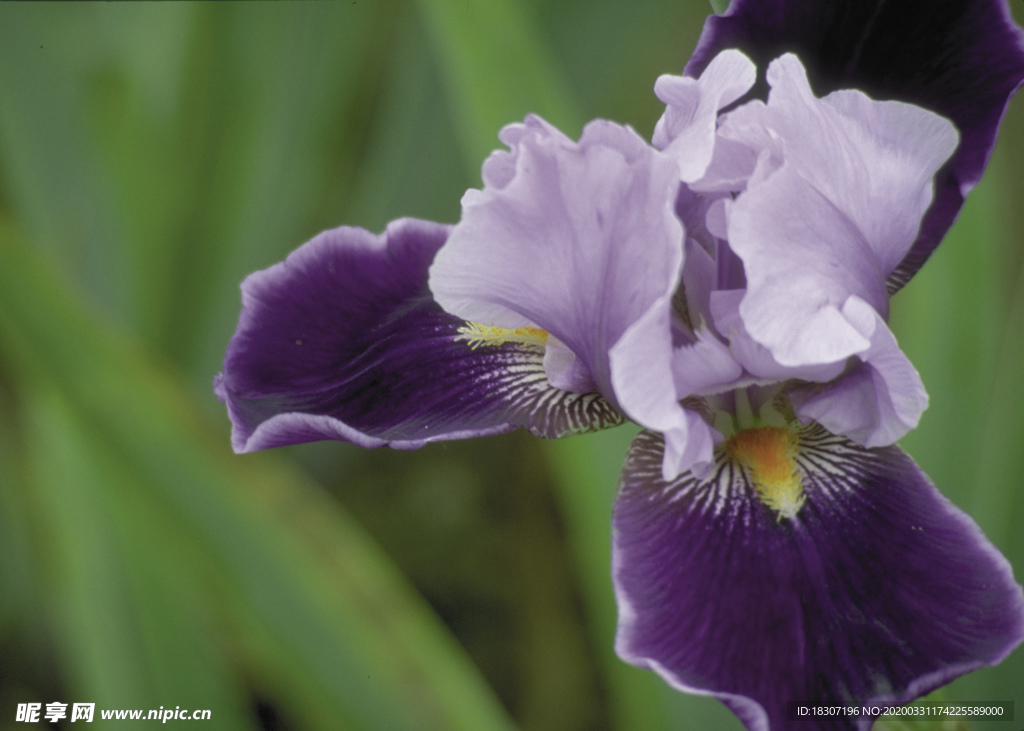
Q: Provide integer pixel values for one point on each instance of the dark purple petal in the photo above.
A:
(876, 591)
(960, 58)
(342, 340)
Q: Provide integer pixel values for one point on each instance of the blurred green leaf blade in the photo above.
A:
(305, 586)
(496, 70)
(129, 636)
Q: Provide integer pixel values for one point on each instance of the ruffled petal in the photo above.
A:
(888, 153)
(343, 341)
(756, 359)
(802, 259)
(686, 130)
(879, 400)
(581, 241)
(876, 591)
(499, 168)
(809, 239)
(960, 58)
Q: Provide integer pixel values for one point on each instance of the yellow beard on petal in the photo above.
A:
(768, 454)
(476, 335)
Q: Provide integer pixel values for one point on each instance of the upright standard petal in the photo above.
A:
(874, 161)
(578, 239)
(803, 259)
(343, 341)
(810, 239)
(686, 130)
(805, 570)
(960, 58)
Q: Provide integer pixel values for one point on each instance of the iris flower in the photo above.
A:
(725, 286)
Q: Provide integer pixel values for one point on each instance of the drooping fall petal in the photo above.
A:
(806, 569)
(342, 340)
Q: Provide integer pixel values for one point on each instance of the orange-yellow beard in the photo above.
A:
(768, 454)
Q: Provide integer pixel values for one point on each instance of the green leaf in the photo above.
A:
(132, 627)
(318, 617)
(161, 152)
(496, 70)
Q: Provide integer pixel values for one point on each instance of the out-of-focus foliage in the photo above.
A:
(151, 155)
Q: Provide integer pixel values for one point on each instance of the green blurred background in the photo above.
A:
(151, 155)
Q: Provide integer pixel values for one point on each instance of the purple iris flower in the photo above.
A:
(727, 288)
